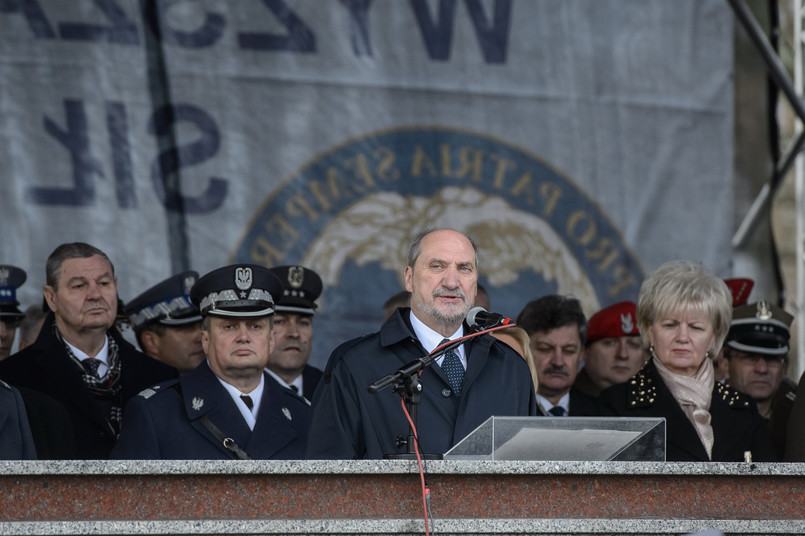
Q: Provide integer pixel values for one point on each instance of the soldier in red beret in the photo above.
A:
(614, 351)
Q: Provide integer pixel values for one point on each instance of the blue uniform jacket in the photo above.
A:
(349, 422)
(163, 423)
(16, 442)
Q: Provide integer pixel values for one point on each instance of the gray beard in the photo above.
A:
(433, 311)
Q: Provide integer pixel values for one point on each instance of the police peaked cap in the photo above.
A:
(300, 288)
(761, 328)
(617, 320)
(237, 290)
(11, 278)
(167, 303)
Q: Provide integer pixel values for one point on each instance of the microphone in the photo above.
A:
(479, 319)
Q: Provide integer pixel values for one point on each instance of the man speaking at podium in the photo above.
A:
(460, 389)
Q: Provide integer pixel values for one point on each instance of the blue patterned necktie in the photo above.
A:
(559, 411)
(451, 365)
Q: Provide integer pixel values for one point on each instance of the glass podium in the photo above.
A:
(564, 439)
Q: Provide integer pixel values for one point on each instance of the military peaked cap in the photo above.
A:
(238, 290)
(11, 278)
(167, 303)
(761, 328)
(300, 288)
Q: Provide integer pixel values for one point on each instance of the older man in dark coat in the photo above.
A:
(482, 377)
(80, 360)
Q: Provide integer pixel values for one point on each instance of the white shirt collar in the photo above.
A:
(297, 382)
(250, 416)
(430, 339)
(546, 404)
(103, 355)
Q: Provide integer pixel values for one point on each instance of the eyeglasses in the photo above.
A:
(753, 359)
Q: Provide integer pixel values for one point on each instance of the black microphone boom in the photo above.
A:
(480, 318)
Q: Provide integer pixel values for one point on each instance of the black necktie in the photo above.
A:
(451, 365)
(559, 411)
(295, 388)
(248, 401)
(91, 366)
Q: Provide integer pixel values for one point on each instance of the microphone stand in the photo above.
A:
(407, 385)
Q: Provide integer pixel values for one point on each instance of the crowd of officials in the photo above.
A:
(222, 369)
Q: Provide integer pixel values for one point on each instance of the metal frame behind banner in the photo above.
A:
(793, 91)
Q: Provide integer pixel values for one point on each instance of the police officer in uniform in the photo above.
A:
(228, 407)
(167, 324)
(11, 278)
(756, 352)
(293, 330)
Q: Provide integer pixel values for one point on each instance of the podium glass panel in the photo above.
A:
(564, 439)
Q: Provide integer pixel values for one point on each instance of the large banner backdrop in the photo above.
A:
(579, 142)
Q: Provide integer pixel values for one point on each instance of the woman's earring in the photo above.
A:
(707, 354)
(651, 350)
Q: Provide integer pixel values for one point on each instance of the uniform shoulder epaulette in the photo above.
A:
(159, 388)
(735, 399)
(4, 385)
(642, 389)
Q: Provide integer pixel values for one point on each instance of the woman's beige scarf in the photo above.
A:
(694, 394)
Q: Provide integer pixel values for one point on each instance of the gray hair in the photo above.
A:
(416, 246)
(681, 285)
(74, 250)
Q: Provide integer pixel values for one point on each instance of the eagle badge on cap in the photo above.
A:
(763, 311)
(627, 324)
(197, 403)
(296, 276)
(243, 278)
(189, 281)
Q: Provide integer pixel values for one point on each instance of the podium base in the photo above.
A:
(407, 456)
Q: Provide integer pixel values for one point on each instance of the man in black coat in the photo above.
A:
(228, 407)
(80, 360)
(460, 390)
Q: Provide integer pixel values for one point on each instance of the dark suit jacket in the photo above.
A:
(164, 423)
(737, 426)
(46, 367)
(349, 422)
(16, 442)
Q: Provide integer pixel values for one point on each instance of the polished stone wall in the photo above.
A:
(383, 497)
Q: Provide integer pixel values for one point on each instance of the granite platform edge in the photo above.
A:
(406, 526)
(346, 467)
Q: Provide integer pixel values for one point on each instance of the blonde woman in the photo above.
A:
(684, 313)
